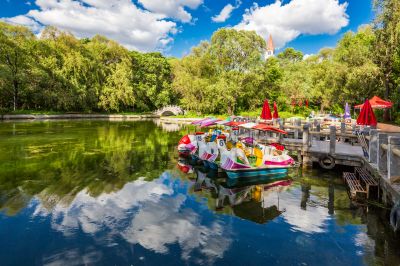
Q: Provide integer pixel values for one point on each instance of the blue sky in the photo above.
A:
(175, 26)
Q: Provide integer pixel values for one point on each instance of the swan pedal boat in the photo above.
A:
(265, 160)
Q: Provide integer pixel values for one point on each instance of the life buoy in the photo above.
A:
(327, 162)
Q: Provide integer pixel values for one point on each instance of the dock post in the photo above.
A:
(306, 137)
(306, 144)
(373, 146)
(342, 131)
(382, 153)
(297, 123)
(281, 123)
(393, 158)
(332, 142)
(318, 130)
(299, 157)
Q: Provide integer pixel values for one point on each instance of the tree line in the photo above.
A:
(62, 73)
(227, 74)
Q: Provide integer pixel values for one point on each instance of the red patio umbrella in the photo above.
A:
(377, 103)
(275, 115)
(366, 116)
(266, 112)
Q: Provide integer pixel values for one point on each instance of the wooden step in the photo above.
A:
(370, 183)
(365, 177)
(354, 185)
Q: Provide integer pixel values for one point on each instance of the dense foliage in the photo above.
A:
(228, 74)
(59, 72)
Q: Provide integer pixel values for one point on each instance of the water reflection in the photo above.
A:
(115, 193)
(96, 156)
(148, 213)
(258, 202)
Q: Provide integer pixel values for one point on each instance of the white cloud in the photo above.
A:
(24, 21)
(120, 20)
(172, 8)
(307, 56)
(287, 21)
(226, 12)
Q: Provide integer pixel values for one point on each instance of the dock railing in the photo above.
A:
(382, 149)
(306, 132)
(384, 152)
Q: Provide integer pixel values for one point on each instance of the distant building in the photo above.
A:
(270, 47)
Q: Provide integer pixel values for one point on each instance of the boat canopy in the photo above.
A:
(249, 125)
(264, 127)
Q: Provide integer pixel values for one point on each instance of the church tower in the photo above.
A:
(270, 47)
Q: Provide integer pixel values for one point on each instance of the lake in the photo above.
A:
(116, 193)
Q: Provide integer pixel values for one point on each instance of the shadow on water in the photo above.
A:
(115, 193)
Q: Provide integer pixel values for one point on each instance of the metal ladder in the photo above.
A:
(363, 142)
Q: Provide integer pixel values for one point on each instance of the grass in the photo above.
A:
(39, 112)
(31, 112)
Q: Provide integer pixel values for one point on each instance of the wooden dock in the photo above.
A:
(376, 151)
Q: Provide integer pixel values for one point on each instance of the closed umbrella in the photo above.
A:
(366, 116)
(347, 112)
(266, 111)
(275, 115)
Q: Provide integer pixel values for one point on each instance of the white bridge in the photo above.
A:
(169, 110)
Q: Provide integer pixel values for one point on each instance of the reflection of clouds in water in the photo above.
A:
(142, 213)
(92, 214)
(73, 257)
(363, 241)
(311, 220)
(159, 224)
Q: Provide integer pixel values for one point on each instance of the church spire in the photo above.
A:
(270, 46)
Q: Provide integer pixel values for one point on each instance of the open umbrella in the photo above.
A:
(266, 112)
(366, 116)
(377, 103)
(347, 112)
(275, 115)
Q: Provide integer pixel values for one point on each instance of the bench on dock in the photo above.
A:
(367, 180)
(354, 184)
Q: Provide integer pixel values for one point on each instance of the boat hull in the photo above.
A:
(256, 172)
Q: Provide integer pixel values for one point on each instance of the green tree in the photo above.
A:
(221, 75)
(16, 44)
(117, 93)
(291, 55)
(387, 44)
(152, 80)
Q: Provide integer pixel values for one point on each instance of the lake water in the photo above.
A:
(113, 193)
